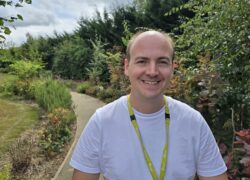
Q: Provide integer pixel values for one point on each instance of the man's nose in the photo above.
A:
(152, 69)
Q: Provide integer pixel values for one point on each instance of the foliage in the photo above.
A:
(51, 94)
(5, 59)
(58, 131)
(219, 87)
(9, 56)
(81, 88)
(71, 59)
(104, 94)
(93, 90)
(126, 34)
(7, 84)
(220, 29)
(118, 81)
(237, 160)
(21, 85)
(5, 173)
(4, 30)
(21, 155)
(101, 26)
(26, 69)
(18, 87)
(98, 68)
(30, 49)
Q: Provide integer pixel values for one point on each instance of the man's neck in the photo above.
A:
(146, 105)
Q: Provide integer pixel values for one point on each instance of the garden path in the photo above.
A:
(84, 107)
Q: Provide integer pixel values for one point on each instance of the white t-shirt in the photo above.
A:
(109, 144)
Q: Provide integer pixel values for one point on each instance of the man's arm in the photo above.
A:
(78, 175)
(219, 177)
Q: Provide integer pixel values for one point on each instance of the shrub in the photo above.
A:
(14, 85)
(71, 57)
(238, 160)
(51, 94)
(105, 93)
(20, 155)
(26, 69)
(98, 67)
(58, 131)
(92, 90)
(8, 87)
(18, 87)
(22, 88)
(81, 88)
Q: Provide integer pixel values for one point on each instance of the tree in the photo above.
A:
(4, 30)
(98, 70)
(219, 31)
(71, 58)
(218, 36)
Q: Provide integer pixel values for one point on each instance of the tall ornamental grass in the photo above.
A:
(51, 94)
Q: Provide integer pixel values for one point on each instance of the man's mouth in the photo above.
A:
(150, 82)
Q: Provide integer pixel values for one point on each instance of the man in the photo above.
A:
(147, 135)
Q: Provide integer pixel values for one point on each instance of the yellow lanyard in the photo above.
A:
(146, 155)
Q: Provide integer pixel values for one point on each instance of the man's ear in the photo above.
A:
(126, 65)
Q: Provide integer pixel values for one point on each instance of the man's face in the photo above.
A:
(150, 66)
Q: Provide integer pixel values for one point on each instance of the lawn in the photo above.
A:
(6, 77)
(15, 118)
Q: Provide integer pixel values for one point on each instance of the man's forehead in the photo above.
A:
(149, 34)
(151, 38)
(155, 39)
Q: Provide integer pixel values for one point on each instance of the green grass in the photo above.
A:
(15, 118)
(6, 77)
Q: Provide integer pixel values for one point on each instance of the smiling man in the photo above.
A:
(147, 135)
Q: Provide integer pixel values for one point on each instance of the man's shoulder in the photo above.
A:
(178, 104)
(115, 107)
(178, 107)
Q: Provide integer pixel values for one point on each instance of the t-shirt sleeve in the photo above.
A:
(85, 157)
(210, 162)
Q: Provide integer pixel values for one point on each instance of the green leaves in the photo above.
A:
(4, 30)
(28, 1)
(7, 30)
(26, 69)
(1, 22)
(219, 29)
(19, 17)
(3, 3)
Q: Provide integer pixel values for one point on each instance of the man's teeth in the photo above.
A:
(151, 82)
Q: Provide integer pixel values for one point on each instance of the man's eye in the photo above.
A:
(141, 62)
(164, 62)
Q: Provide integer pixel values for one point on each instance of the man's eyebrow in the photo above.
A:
(141, 57)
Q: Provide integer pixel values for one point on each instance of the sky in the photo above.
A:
(44, 17)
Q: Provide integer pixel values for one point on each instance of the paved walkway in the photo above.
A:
(84, 107)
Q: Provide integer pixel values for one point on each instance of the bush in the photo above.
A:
(238, 160)
(22, 88)
(8, 87)
(26, 69)
(18, 87)
(51, 94)
(71, 57)
(92, 90)
(105, 93)
(58, 131)
(20, 155)
(81, 88)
